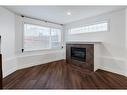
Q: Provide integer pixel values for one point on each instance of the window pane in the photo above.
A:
(77, 30)
(90, 28)
(36, 37)
(55, 38)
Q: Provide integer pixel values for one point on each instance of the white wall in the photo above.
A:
(7, 32)
(13, 59)
(31, 58)
(113, 41)
(126, 34)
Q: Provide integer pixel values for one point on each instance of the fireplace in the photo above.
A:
(81, 55)
(78, 53)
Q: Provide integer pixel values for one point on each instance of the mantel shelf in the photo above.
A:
(87, 42)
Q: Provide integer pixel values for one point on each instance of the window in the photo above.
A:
(55, 38)
(100, 27)
(40, 38)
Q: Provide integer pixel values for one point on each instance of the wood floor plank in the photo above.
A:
(60, 75)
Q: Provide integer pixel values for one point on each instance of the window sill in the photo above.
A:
(42, 50)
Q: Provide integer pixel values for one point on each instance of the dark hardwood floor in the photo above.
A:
(60, 75)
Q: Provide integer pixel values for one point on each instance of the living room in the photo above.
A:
(63, 47)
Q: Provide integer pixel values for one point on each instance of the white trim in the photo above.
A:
(38, 22)
(39, 25)
(50, 42)
(23, 35)
(48, 49)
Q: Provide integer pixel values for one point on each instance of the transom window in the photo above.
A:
(39, 37)
(100, 27)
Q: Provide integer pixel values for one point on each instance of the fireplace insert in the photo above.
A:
(78, 53)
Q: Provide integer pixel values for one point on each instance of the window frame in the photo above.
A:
(86, 25)
(50, 48)
(60, 37)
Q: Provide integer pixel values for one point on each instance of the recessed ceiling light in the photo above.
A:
(68, 13)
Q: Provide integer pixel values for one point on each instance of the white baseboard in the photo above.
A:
(115, 65)
(9, 66)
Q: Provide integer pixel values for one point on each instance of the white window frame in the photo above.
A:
(49, 38)
(105, 21)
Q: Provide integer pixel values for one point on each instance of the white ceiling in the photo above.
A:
(58, 13)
